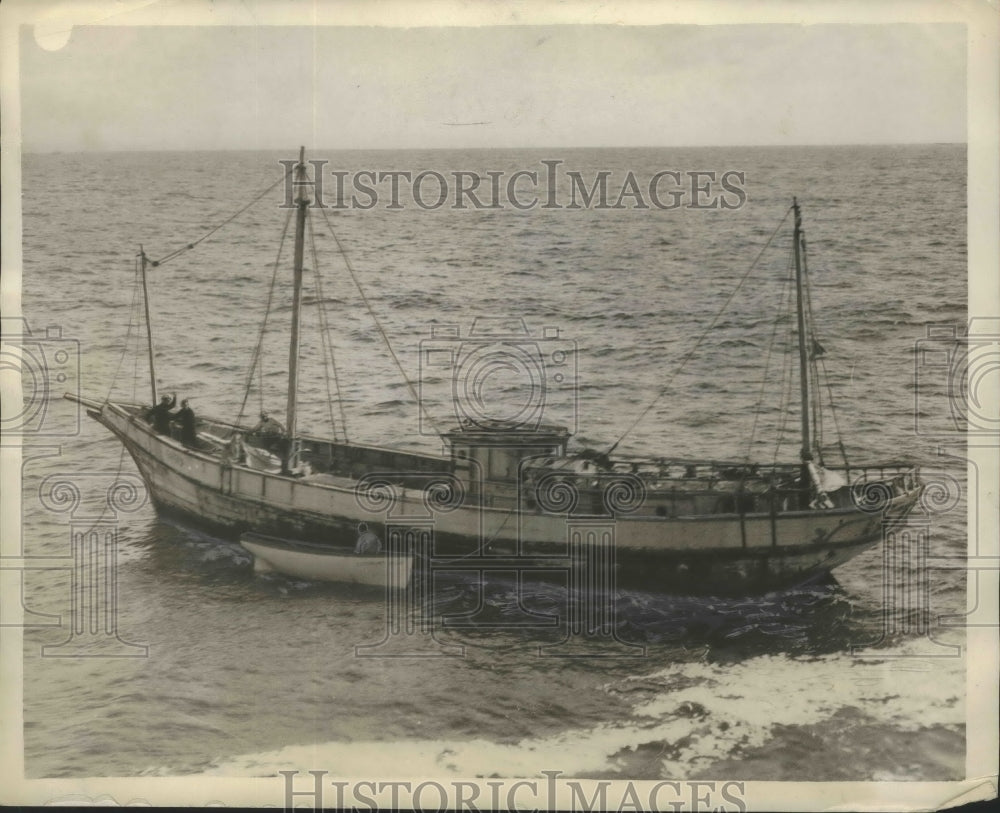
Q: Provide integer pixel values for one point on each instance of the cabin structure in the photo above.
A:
(487, 456)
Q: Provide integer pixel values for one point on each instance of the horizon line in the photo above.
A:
(497, 148)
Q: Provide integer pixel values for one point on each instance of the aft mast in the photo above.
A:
(302, 203)
(806, 451)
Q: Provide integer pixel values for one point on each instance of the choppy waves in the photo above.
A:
(687, 720)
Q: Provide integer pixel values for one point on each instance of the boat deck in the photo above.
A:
(643, 487)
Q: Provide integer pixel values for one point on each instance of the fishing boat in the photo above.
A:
(514, 494)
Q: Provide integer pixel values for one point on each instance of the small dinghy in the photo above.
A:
(303, 560)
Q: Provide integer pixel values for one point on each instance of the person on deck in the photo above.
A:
(235, 453)
(271, 435)
(268, 427)
(160, 414)
(185, 417)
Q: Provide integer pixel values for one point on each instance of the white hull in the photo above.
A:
(301, 561)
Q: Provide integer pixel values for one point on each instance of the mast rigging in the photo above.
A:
(806, 452)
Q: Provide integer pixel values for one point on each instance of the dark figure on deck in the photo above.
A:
(160, 414)
(270, 434)
(268, 427)
(185, 417)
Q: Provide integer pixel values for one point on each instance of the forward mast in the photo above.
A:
(302, 202)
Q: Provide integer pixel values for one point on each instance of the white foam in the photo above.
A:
(719, 709)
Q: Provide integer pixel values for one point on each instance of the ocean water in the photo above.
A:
(246, 675)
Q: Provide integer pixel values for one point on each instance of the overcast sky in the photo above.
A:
(120, 88)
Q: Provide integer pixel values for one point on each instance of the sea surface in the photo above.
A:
(245, 675)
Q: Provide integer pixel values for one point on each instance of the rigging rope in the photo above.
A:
(825, 381)
(814, 347)
(786, 290)
(132, 310)
(167, 258)
(825, 378)
(833, 412)
(259, 349)
(135, 366)
(786, 372)
(701, 338)
(327, 343)
(378, 325)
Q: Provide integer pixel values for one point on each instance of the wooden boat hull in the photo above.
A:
(722, 553)
(304, 561)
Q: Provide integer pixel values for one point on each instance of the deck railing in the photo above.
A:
(673, 487)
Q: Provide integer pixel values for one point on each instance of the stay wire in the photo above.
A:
(132, 311)
(701, 338)
(826, 380)
(255, 358)
(329, 357)
(167, 258)
(829, 389)
(833, 413)
(786, 289)
(378, 325)
(786, 372)
(811, 344)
